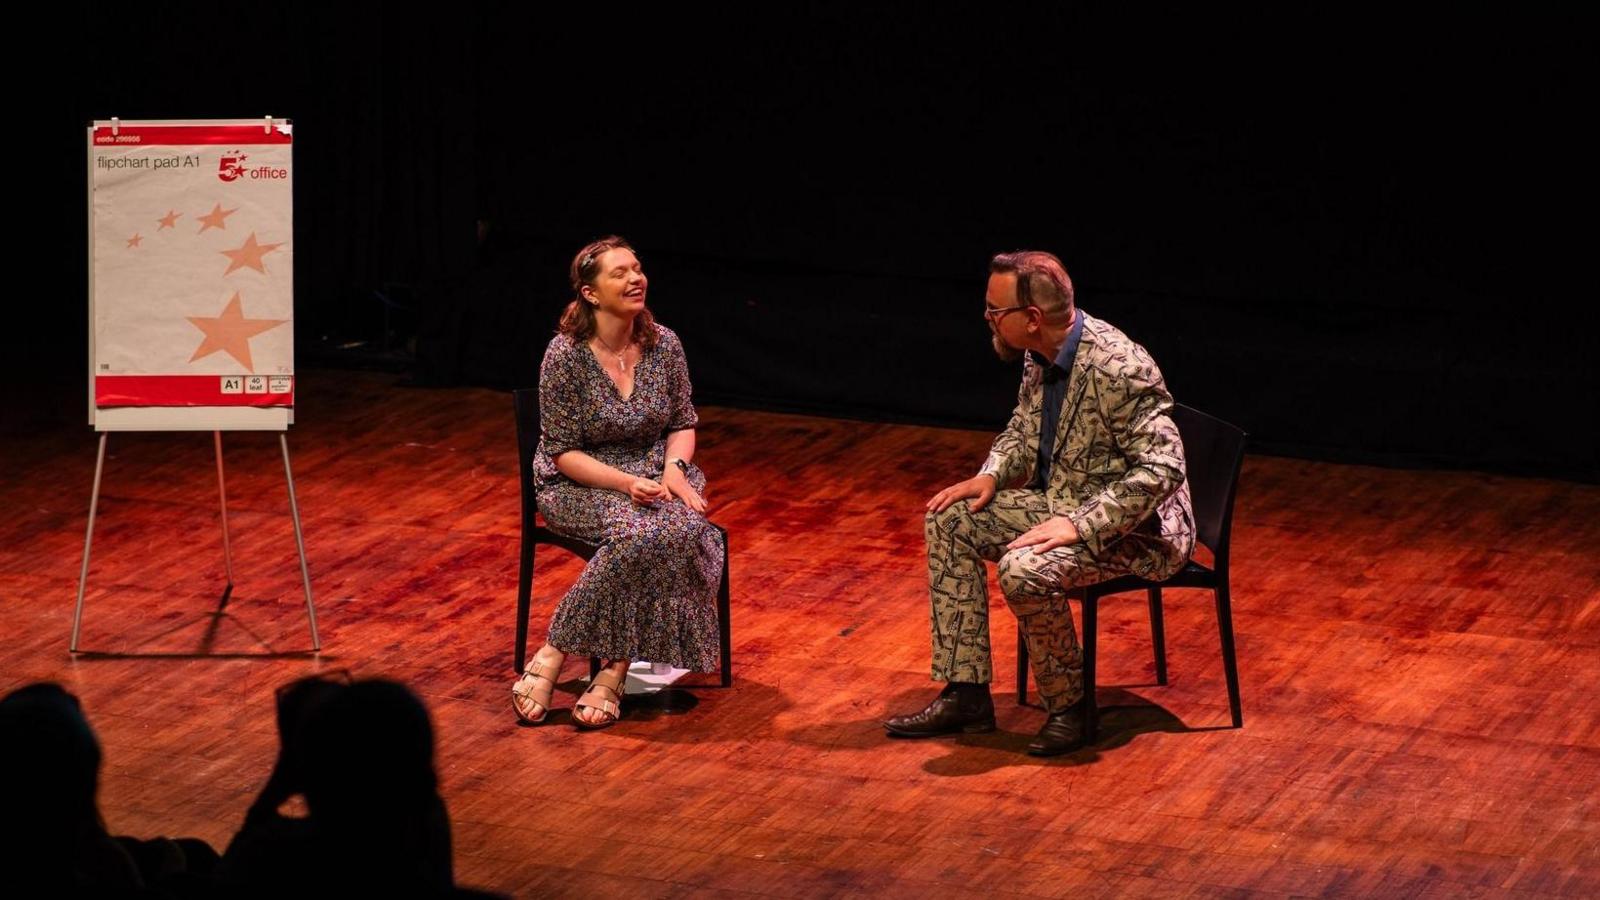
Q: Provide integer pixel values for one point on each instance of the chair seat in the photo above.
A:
(1193, 574)
(584, 549)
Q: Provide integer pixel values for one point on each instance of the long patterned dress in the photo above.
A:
(650, 592)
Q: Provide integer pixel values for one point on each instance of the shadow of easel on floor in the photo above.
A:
(206, 648)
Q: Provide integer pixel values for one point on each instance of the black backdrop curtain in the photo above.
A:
(1354, 236)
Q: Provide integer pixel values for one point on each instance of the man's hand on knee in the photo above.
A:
(979, 488)
(1047, 535)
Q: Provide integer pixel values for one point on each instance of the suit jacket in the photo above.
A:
(1117, 464)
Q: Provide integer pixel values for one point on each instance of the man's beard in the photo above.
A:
(1005, 351)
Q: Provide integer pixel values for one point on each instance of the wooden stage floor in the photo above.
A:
(1419, 654)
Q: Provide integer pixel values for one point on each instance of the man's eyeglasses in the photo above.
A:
(995, 315)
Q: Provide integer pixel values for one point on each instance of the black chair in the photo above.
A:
(1214, 452)
(526, 402)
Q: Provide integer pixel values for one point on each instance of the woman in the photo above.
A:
(614, 467)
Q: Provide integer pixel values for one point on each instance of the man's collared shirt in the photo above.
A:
(1056, 376)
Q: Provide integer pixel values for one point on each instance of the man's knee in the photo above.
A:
(1030, 581)
(950, 520)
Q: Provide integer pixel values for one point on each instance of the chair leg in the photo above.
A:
(1091, 710)
(725, 614)
(1022, 666)
(524, 598)
(1158, 634)
(1230, 662)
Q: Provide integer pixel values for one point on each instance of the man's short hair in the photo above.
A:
(1042, 281)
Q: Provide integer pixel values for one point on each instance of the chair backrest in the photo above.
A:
(526, 403)
(1214, 452)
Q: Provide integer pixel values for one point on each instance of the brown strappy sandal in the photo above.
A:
(610, 710)
(538, 678)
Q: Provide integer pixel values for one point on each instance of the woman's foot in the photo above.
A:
(601, 705)
(531, 695)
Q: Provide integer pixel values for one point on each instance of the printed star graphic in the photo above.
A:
(230, 333)
(215, 218)
(134, 241)
(170, 220)
(249, 254)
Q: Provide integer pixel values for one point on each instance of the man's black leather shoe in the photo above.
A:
(949, 713)
(1062, 733)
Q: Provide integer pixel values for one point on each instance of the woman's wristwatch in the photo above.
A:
(682, 466)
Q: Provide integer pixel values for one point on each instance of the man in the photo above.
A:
(1100, 492)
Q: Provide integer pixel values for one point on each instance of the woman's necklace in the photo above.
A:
(621, 355)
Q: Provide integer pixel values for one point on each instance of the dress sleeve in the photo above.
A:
(561, 404)
(679, 389)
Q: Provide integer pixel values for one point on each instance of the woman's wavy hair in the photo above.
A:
(577, 321)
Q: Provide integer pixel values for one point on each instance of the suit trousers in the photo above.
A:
(1035, 586)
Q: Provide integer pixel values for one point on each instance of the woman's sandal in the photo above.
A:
(610, 710)
(539, 678)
